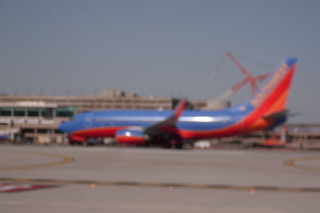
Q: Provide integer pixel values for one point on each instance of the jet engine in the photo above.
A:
(128, 136)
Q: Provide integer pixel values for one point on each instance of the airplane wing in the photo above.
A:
(168, 125)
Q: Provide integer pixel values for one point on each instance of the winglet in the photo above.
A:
(168, 124)
(179, 108)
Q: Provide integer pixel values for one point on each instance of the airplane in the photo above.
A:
(265, 110)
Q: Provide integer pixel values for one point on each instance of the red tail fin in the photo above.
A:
(272, 97)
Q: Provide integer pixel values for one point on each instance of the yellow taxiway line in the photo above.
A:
(292, 163)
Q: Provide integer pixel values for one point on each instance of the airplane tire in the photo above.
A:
(179, 145)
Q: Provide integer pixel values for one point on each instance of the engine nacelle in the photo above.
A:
(76, 138)
(129, 136)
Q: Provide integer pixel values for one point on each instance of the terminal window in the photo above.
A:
(19, 112)
(47, 113)
(65, 111)
(5, 111)
(33, 112)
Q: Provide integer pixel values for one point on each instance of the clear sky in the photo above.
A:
(161, 48)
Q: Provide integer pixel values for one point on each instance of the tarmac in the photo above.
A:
(119, 180)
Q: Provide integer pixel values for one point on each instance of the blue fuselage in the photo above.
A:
(192, 121)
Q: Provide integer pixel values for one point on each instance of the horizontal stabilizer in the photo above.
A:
(276, 115)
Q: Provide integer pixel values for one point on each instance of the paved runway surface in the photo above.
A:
(99, 179)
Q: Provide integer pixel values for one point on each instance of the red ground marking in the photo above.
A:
(17, 187)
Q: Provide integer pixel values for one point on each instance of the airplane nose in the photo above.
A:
(63, 126)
